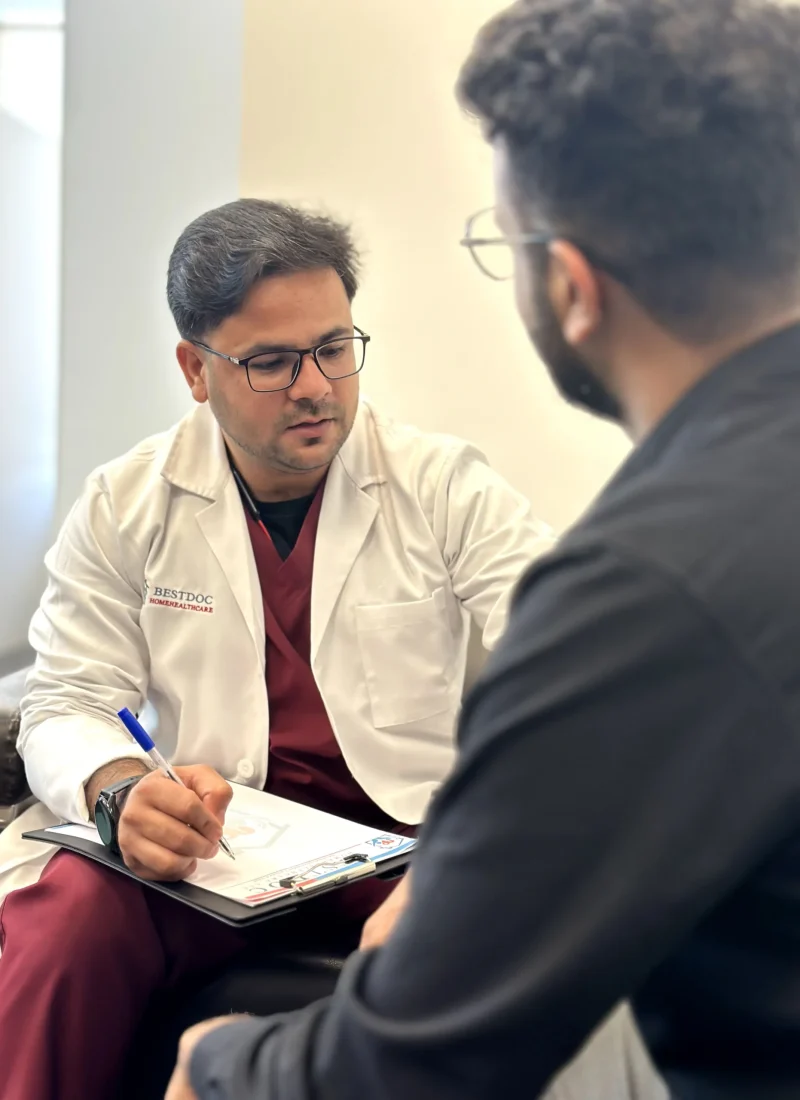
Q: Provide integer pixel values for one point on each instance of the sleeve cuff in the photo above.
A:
(215, 1069)
(64, 752)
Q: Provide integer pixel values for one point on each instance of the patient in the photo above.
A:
(624, 817)
(288, 579)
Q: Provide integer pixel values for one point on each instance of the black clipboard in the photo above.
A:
(230, 912)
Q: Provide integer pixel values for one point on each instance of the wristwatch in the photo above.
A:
(108, 810)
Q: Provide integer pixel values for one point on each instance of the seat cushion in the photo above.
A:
(275, 983)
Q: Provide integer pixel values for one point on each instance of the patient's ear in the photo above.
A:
(575, 292)
(193, 365)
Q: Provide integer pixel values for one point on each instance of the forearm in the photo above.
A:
(114, 772)
(252, 1059)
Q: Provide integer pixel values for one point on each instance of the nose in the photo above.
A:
(310, 383)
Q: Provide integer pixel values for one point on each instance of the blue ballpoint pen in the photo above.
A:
(145, 741)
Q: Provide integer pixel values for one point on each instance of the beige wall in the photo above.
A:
(349, 104)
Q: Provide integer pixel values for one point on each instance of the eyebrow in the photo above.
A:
(271, 349)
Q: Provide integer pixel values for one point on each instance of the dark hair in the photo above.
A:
(223, 253)
(662, 136)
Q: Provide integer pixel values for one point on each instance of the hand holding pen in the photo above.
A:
(153, 833)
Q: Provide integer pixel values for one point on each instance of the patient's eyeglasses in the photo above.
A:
(492, 250)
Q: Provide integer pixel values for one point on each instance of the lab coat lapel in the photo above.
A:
(345, 521)
(198, 463)
(224, 527)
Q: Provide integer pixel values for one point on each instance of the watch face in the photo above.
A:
(104, 823)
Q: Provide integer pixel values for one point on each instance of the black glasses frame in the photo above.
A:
(301, 353)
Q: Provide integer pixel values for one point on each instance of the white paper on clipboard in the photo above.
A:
(280, 847)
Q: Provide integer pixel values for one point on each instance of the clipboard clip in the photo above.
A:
(359, 866)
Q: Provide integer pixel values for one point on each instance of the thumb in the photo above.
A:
(213, 791)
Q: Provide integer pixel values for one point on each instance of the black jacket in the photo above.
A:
(624, 820)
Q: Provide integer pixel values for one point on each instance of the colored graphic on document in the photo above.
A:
(245, 831)
(389, 842)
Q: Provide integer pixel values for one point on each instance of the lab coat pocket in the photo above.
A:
(407, 655)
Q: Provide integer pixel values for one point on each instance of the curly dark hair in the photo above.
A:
(662, 136)
(223, 253)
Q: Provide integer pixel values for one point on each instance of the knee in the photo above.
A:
(77, 909)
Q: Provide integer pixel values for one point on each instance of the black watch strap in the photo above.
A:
(108, 809)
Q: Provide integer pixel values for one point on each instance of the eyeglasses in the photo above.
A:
(268, 371)
(493, 252)
(490, 249)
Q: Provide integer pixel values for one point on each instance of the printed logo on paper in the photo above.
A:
(388, 843)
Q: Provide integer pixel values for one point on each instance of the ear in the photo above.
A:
(575, 291)
(193, 366)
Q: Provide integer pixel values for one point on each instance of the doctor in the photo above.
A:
(283, 534)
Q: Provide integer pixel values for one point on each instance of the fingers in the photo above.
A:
(167, 832)
(179, 1087)
(213, 791)
(164, 829)
(152, 862)
(370, 936)
(380, 926)
(156, 793)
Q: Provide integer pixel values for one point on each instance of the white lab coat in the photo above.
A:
(154, 598)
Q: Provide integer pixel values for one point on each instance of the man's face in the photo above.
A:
(572, 375)
(294, 430)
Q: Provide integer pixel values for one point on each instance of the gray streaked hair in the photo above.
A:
(225, 252)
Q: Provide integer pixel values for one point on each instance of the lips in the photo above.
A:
(309, 426)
